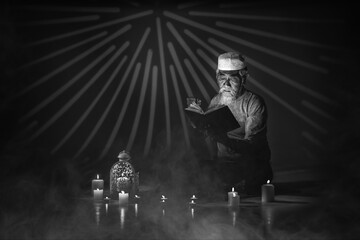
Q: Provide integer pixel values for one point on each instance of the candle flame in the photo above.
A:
(268, 181)
(122, 192)
(97, 189)
(136, 196)
(97, 176)
(232, 189)
(162, 197)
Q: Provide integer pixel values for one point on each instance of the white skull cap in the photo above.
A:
(231, 61)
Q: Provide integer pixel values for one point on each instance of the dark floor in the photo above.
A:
(300, 211)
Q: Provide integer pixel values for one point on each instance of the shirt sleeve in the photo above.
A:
(256, 117)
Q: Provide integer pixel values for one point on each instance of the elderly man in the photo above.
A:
(243, 155)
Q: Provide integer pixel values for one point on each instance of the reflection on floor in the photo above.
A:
(290, 216)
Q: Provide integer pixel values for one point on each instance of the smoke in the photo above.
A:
(181, 170)
(44, 198)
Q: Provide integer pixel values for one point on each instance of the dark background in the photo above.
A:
(303, 59)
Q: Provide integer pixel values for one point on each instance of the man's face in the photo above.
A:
(229, 83)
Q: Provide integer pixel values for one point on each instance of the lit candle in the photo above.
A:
(98, 194)
(136, 198)
(192, 200)
(233, 198)
(267, 192)
(123, 198)
(163, 199)
(107, 200)
(97, 183)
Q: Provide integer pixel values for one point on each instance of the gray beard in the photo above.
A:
(226, 99)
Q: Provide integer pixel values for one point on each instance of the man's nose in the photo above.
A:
(227, 82)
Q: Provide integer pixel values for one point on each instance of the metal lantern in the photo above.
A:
(123, 177)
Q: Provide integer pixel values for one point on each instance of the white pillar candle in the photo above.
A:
(233, 198)
(97, 183)
(123, 198)
(267, 192)
(98, 194)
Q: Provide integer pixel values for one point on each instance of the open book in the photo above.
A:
(221, 118)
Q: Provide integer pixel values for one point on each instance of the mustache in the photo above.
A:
(227, 89)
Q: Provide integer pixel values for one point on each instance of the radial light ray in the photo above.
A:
(63, 20)
(66, 86)
(149, 134)
(94, 27)
(273, 35)
(246, 43)
(180, 70)
(75, 97)
(197, 80)
(259, 17)
(123, 111)
(123, 79)
(291, 82)
(141, 101)
(201, 42)
(317, 110)
(91, 106)
(31, 126)
(74, 60)
(277, 75)
(288, 106)
(164, 81)
(192, 56)
(73, 9)
(63, 50)
(312, 139)
(180, 105)
(103, 116)
(206, 58)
